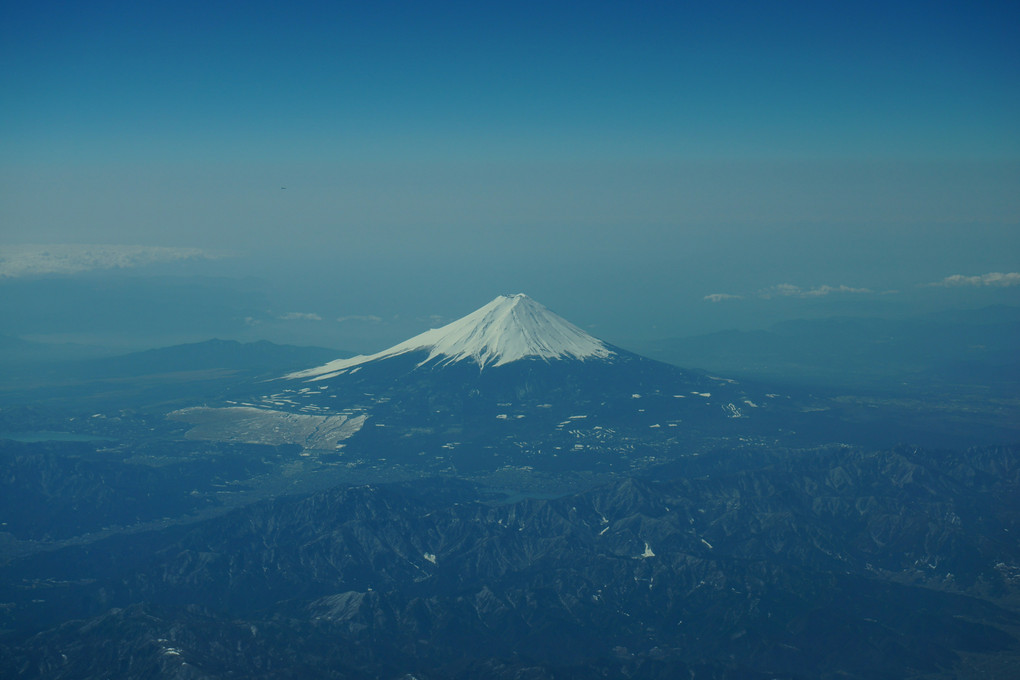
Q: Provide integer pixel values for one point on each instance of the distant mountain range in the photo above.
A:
(79, 361)
(967, 347)
(151, 379)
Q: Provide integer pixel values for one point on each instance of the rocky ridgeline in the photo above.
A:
(814, 563)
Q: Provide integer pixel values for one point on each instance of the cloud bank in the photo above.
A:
(301, 316)
(990, 279)
(33, 260)
(719, 297)
(790, 290)
(370, 318)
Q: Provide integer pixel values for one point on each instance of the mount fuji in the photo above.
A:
(510, 328)
(511, 383)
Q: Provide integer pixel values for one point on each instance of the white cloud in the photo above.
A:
(73, 258)
(780, 290)
(301, 316)
(990, 279)
(355, 317)
(790, 290)
(719, 297)
(825, 290)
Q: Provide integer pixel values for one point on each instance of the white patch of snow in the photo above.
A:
(430, 557)
(509, 328)
(702, 394)
(732, 411)
(707, 544)
(648, 552)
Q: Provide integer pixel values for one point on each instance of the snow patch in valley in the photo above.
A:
(732, 411)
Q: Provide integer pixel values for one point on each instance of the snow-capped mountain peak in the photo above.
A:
(509, 328)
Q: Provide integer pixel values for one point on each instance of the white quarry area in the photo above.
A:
(264, 426)
(509, 328)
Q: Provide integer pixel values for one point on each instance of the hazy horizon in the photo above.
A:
(346, 175)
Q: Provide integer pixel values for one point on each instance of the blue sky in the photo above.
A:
(377, 82)
(436, 154)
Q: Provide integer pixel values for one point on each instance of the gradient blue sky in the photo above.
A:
(619, 161)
